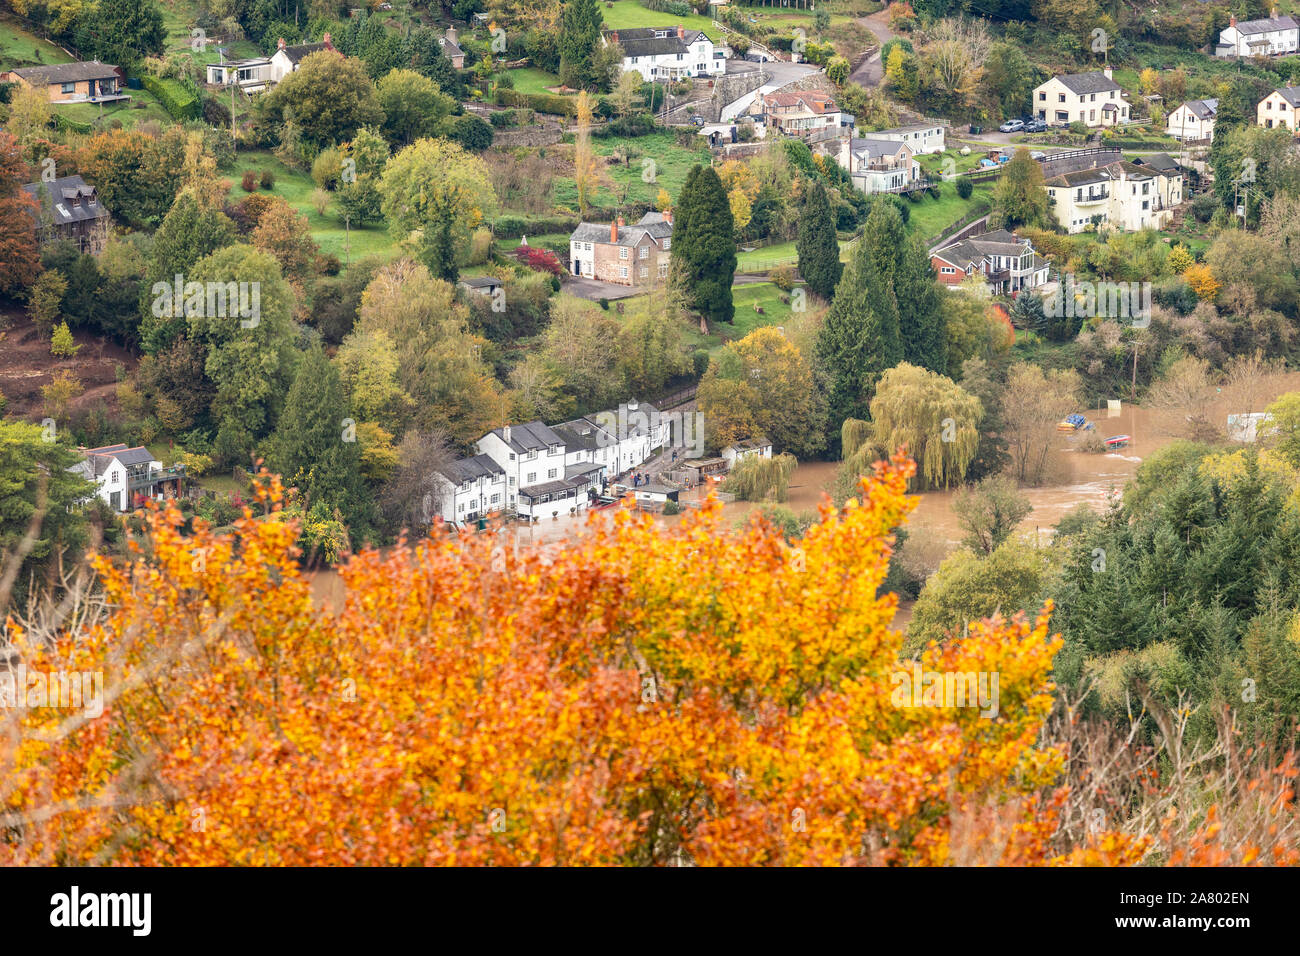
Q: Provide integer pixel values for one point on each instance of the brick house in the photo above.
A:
(636, 255)
(1007, 262)
(92, 82)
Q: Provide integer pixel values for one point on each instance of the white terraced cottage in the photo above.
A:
(668, 52)
(1275, 36)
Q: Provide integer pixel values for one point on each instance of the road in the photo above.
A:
(871, 70)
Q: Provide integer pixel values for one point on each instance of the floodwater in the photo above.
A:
(1074, 478)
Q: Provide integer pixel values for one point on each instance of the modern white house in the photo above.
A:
(668, 52)
(252, 75)
(1278, 109)
(1193, 120)
(750, 448)
(125, 478)
(1093, 99)
(879, 165)
(1274, 36)
(921, 138)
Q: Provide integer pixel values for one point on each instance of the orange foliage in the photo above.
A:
(1202, 281)
(652, 696)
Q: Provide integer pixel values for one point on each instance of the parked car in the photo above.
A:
(1035, 126)
(1038, 154)
(1011, 126)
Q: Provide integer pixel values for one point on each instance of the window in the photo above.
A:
(622, 253)
(947, 270)
(668, 243)
(1093, 98)
(645, 252)
(663, 270)
(496, 499)
(512, 456)
(1060, 97)
(512, 484)
(67, 87)
(645, 272)
(532, 453)
(622, 272)
(532, 477)
(1042, 95)
(550, 473)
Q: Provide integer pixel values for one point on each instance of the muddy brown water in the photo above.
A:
(1074, 478)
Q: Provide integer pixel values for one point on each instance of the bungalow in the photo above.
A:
(1278, 109)
(125, 478)
(251, 76)
(1271, 37)
(67, 208)
(92, 82)
(1005, 261)
(1193, 120)
(667, 52)
(879, 165)
(750, 448)
(1093, 99)
(636, 255)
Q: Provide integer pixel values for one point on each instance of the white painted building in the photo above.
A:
(752, 448)
(125, 478)
(921, 138)
(1275, 36)
(471, 488)
(878, 165)
(1093, 99)
(1193, 120)
(1281, 108)
(668, 52)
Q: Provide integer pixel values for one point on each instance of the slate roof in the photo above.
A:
(583, 434)
(975, 248)
(874, 148)
(652, 224)
(641, 41)
(59, 194)
(1112, 171)
(297, 54)
(1094, 82)
(1271, 25)
(1204, 109)
(469, 469)
(66, 72)
(529, 437)
(1289, 93)
(1161, 163)
(449, 48)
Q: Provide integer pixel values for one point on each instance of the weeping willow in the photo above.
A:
(761, 479)
(931, 416)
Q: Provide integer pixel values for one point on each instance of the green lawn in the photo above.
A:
(636, 179)
(764, 295)
(296, 188)
(932, 216)
(933, 163)
(532, 80)
(20, 48)
(629, 13)
(127, 111)
(778, 254)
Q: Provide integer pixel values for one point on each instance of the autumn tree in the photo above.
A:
(123, 32)
(283, 232)
(19, 262)
(989, 511)
(328, 98)
(434, 195)
(1032, 404)
(587, 168)
(136, 175)
(1019, 196)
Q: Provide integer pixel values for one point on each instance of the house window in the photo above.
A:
(645, 272)
(947, 270)
(1060, 97)
(668, 242)
(1042, 96)
(532, 453)
(496, 499)
(663, 271)
(512, 456)
(67, 87)
(622, 253)
(645, 252)
(550, 473)
(532, 477)
(622, 272)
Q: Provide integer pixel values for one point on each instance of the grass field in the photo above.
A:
(932, 216)
(532, 80)
(629, 13)
(20, 48)
(128, 111)
(296, 188)
(628, 181)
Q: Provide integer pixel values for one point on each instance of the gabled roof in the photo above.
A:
(59, 196)
(973, 249)
(874, 148)
(1271, 25)
(652, 224)
(1204, 109)
(1111, 171)
(99, 460)
(1289, 93)
(814, 101)
(449, 48)
(66, 72)
(641, 41)
(297, 54)
(530, 436)
(585, 435)
(1094, 82)
(1161, 163)
(469, 469)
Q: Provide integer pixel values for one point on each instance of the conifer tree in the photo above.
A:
(704, 245)
(580, 26)
(819, 250)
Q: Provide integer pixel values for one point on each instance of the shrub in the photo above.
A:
(783, 278)
(543, 260)
(604, 303)
(268, 179)
(965, 187)
(672, 508)
(61, 343)
(249, 181)
(180, 102)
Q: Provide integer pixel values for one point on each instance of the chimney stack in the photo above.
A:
(326, 40)
(613, 231)
(681, 32)
(280, 43)
(452, 35)
(1273, 13)
(668, 216)
(1108, 73)
(1232, 20)
(506, 434)
(613, 36)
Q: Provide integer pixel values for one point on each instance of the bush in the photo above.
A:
(543, 260)
(604, 303)
(512, 227)
(700, 362)
(547, 103)
(1204, 206)
(965, 187)
(268, 179)
(783, 278)
(249, 182)
(672, 508)
(61, 343)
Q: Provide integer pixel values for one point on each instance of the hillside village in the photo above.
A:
(479, 271)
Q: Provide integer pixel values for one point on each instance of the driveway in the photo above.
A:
(871, 70)
(594, 290)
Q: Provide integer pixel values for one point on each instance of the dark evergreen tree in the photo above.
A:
(1027, 313)
(704, 245)
(314, 446)
(580, 26)
(859, 339)
(922, 325)
(123, 32)
(818, 247)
